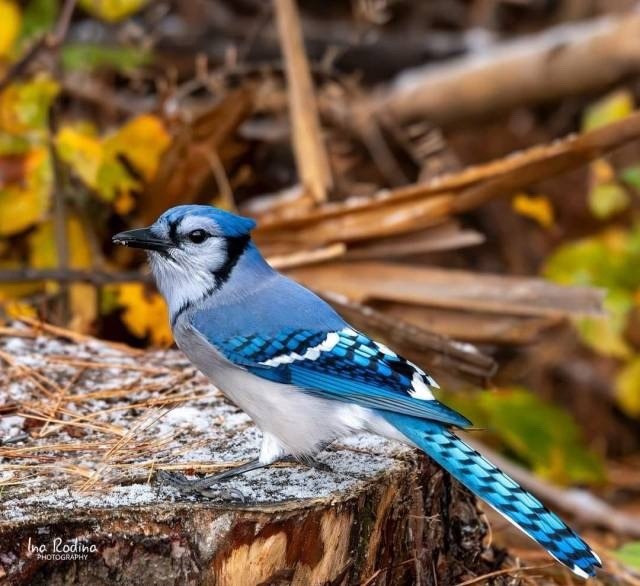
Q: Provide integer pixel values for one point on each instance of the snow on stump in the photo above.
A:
(85, 425)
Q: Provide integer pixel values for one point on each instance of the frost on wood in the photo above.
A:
(85, 425)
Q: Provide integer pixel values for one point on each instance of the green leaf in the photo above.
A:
(11, 144)
(629, 555)
(627, 387)
(631, 176)
(580, 263)
(611, 108)
(112, 178)
(35, 101)
(38, 18)
(90, 57)
(608, 199)
(24, 107)
(609, 260)
(601, 335)
(606, 334)
(541, 435)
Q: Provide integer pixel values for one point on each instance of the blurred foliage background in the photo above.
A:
(360, 163)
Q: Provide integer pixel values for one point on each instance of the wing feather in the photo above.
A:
(343, 365)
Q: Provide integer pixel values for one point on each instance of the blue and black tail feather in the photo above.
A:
(501, 492)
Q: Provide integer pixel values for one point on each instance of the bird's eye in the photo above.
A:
(198, 236)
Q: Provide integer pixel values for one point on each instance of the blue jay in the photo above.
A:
(304, 376)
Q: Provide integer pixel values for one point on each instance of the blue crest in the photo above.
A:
(230, 224)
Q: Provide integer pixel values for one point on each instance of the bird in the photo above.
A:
(304, 375)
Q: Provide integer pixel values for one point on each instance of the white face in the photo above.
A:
(187, 271)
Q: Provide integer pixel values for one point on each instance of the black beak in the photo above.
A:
(142, 238)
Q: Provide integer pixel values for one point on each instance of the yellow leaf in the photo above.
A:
(10, 22)
(124, 203)
(43, 255)
(82, 151)
(22, 205)
(602, 335)
(628, 387)
(607, 199)
(145, 313)
(602, 171)
(98, 161)
(112, 10)
(536, 207)
(17, 309)
(24, 106)
(142, 141)
(83, 300)
(611, 108)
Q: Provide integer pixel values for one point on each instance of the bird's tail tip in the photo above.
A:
(518, 506)
(587, 567)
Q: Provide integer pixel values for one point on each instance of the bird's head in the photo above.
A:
(192, 250)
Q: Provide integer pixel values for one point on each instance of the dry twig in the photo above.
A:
(311, 157)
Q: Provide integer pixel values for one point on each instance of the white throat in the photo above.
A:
(182, 284)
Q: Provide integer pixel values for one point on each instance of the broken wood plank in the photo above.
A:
(471, 326)
(385, 281)
(447, 236)
(421, 205)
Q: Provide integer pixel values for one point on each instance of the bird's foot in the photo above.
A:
(199, 486)
(309, 462)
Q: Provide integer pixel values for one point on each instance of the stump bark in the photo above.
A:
(79, 505)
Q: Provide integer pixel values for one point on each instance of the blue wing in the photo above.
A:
(344, 365)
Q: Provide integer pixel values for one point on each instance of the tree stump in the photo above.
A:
(84, 426)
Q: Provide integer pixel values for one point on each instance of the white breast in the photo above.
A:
(293, 422)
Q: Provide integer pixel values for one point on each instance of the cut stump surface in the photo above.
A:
(84, 425)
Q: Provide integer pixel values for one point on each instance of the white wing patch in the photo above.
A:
(385, 350)
(311, 354)
(420, 389)
(430, 380)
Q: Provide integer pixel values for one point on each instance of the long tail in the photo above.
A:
(492, 485)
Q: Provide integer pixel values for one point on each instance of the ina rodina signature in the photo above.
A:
(61, 549)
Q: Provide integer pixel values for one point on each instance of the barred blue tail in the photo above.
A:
(485, 480)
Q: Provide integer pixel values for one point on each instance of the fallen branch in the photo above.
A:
(94, 276)
(562, 61)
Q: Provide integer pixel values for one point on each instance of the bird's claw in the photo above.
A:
(173, 479)
(309, 462)
(185, 485)
(321, 466)
(225, 493)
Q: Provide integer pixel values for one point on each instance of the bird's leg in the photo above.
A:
(200, 485)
